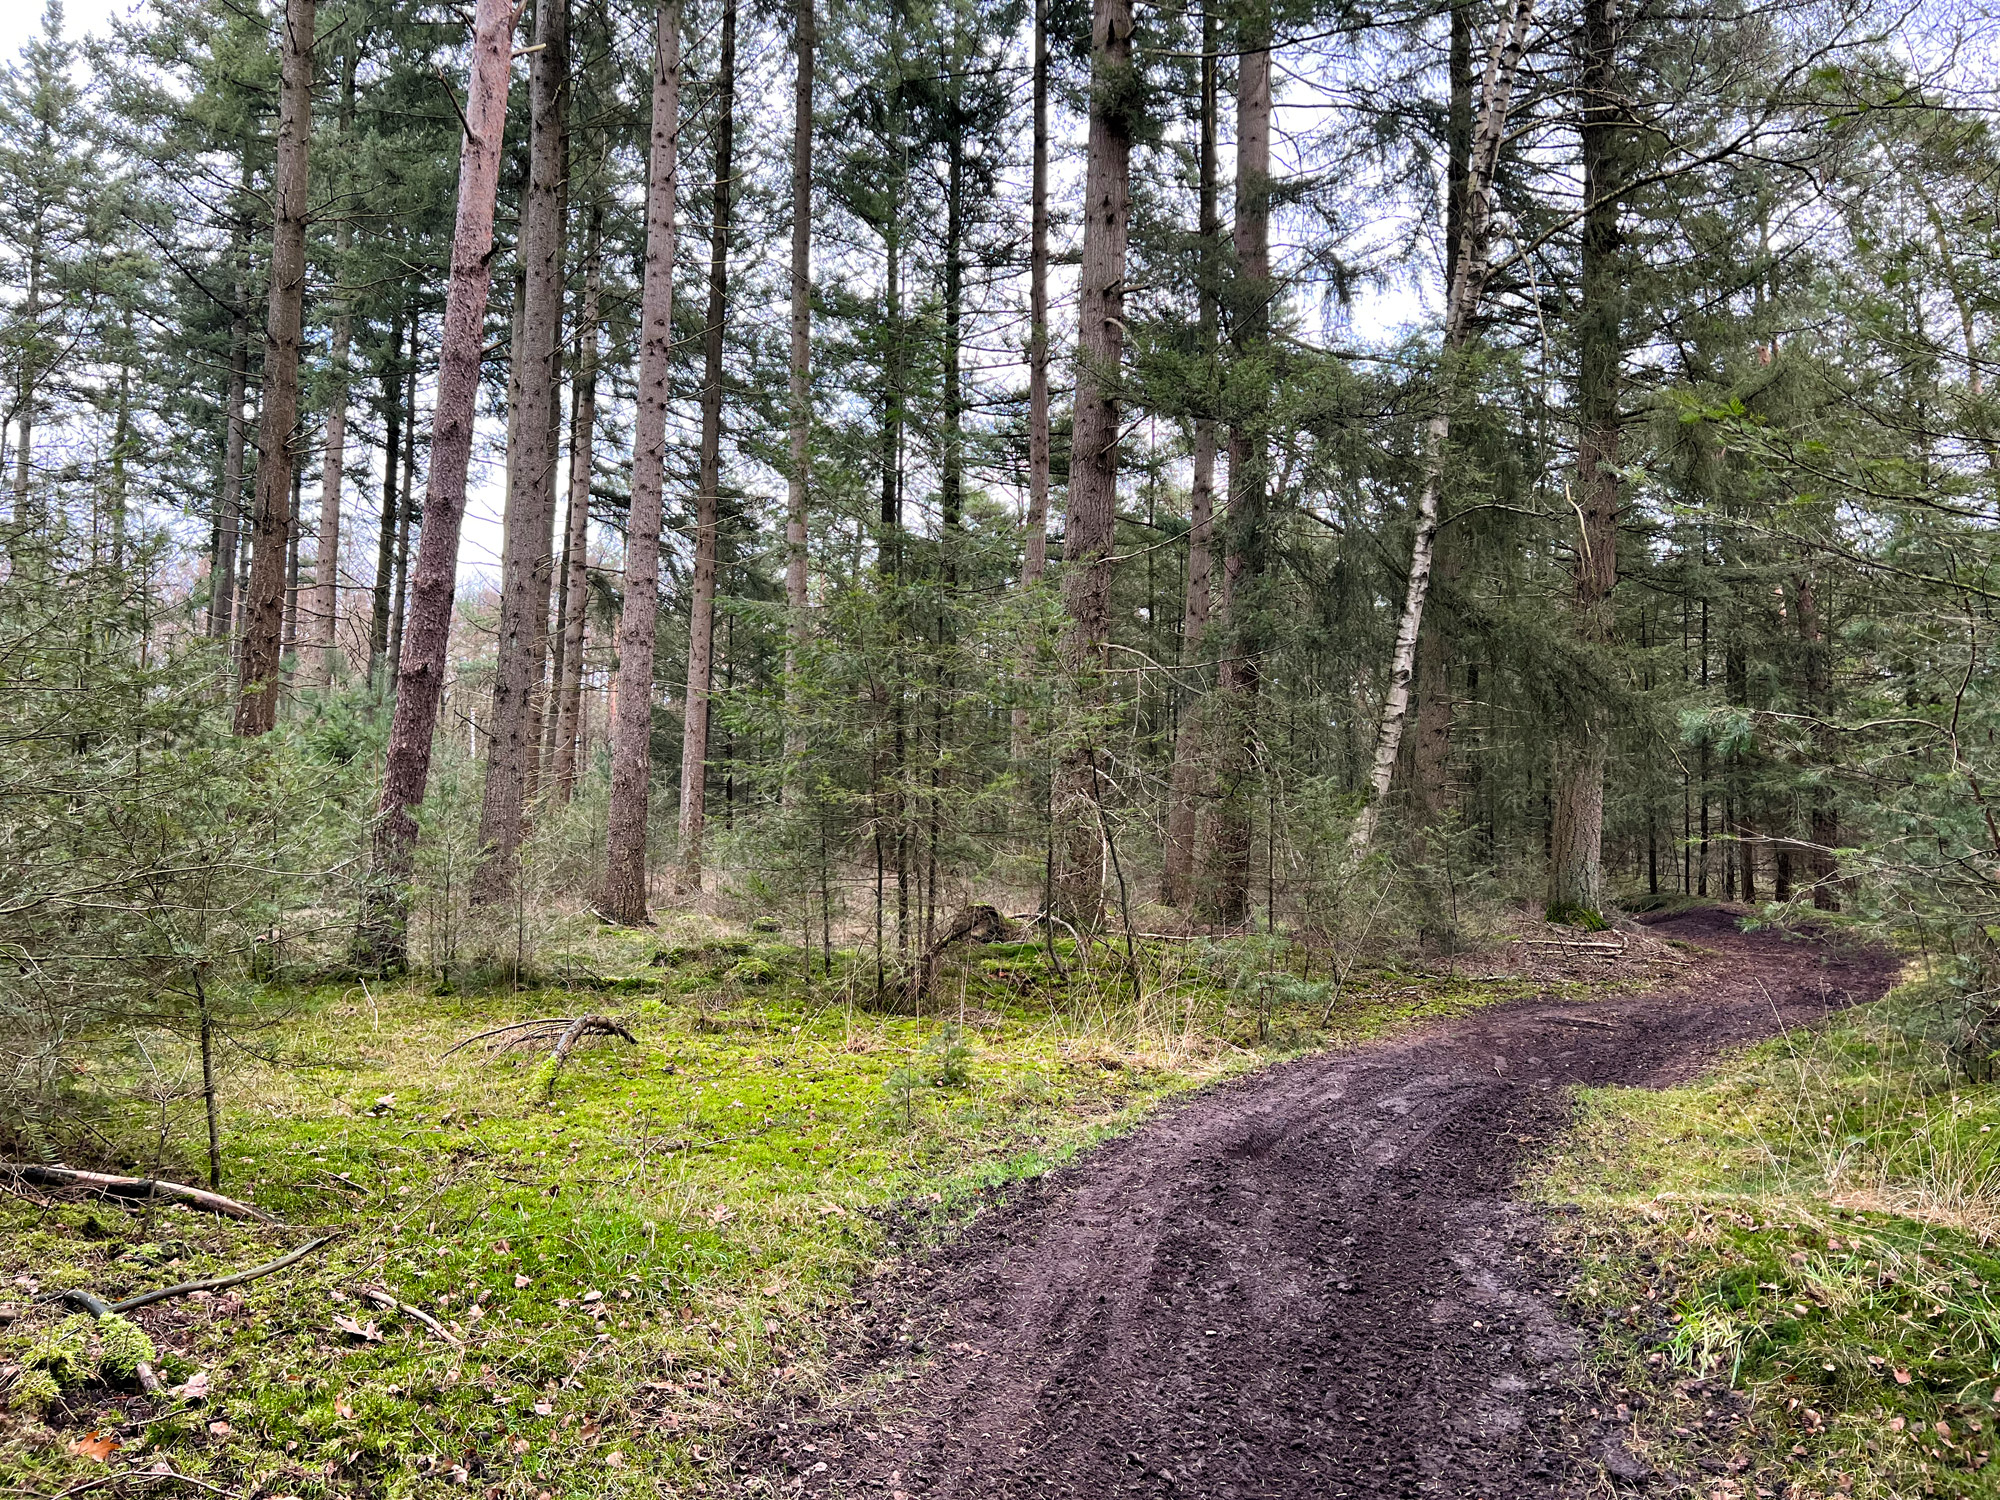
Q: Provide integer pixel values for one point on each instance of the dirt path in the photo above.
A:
(1312, 1282)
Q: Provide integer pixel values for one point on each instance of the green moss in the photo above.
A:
(64, 1351)
(1574, 914)
(1813, 1224)
(721, 1186)
(33, 1391)
(122, 1346)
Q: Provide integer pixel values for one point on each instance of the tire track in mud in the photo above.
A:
(1310, 1282)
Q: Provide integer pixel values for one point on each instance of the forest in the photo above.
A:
(816, 621)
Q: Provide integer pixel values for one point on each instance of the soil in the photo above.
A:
(1314, 1281)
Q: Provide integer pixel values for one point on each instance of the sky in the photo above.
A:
(22, 19)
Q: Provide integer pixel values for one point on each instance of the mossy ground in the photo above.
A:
(1793, 1264)
(628, 1272)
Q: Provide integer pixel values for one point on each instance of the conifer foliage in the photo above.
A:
(1142, 467)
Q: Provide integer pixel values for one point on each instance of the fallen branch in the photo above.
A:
(381, 1298)
(543, 1022)
(97, 1308)
(106, 1186)
(976, 924)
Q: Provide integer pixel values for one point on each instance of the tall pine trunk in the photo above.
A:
(624, 897)
(575, 607)
(1035, 543)
(383, 938)
(319, 663)
(1824, 815)
(1468, 283)
(805, 37)
(264, 615)
(1576, 837)
(708, 483)
(1183, 806)
(406, 516)
(382, 592)
(512, 743)
(1223, 897)
(1078, 885)
(229, 504)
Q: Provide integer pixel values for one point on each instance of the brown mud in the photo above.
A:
(1311, 1282)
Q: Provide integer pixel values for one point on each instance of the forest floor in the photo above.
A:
(1322, 1280)
(624, 1265)
(1479, 1227)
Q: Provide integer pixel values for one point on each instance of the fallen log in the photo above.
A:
(978, 923)
(104, 1185)
(82, 1301)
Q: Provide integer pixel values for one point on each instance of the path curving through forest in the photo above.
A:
(1311, 1282)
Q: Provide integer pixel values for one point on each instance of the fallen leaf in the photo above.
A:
(614, 1459)
(1896, 1424)
(521, 1281)
(519, 1445)
(218, 1429)
(196, 1388)
(593, 1296)
(832, 1210)
(352, 1329)
(722, 1213)
(343, 1408)
(1902, 1377)
(543, 1409)
(97, 1445)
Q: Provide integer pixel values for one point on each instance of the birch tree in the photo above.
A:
(1503, 61)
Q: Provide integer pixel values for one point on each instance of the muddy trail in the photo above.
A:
(1310, 1282)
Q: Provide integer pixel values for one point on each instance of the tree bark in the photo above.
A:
(407, 515)
(264, 616)
(319, 664)
(229, 504)
(1576, 836)
(382, 939)
(624, 898)
(1823, 815)
(1036, 524)
(1436, 657)
(382, 596)
(805, 37)
(701, 615)
(512, 740)
(1503, 61)
(1078, 887)
(1224, 895)
(1183, 808)
(575, 607)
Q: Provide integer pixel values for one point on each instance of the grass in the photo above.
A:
(628, 1260)
(1795, 1262)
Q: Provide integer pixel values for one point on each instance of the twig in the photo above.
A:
(130, 1476)
(381, 1298)
(107, 1186)
(85, 1302)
